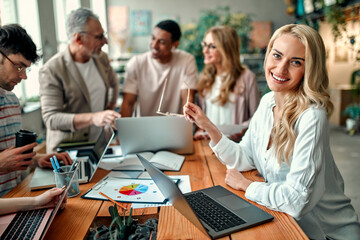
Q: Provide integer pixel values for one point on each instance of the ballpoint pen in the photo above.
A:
(74, 165)
(53, 165)
(57, 164)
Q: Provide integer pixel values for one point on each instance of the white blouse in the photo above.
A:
(219, 115)
(311, 189)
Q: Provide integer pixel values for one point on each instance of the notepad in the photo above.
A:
(163, 160)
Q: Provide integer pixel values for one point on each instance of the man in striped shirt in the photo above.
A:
(17, 53)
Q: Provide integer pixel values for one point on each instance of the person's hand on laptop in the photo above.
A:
(50, 198)
(45, 200)
(105, 117)
(43, 160)
(13, 159)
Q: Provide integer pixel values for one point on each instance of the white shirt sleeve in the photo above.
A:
(241, 156)
(232, 155)
(304, 183)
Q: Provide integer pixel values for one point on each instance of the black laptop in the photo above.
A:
(216, 211)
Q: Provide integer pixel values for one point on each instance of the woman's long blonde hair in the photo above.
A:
(227, 42)
(312, 89)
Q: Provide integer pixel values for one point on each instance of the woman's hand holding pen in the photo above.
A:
(194, 114)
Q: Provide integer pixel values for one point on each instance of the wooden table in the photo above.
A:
(204, 170)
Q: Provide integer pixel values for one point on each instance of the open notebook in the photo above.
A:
(31, 224)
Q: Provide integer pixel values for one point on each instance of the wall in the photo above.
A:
(340, 70)
(189, 10)
(340, 65)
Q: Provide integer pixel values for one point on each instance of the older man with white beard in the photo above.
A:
(162, 75)
(78, 87)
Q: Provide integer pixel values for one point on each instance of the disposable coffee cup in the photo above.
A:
(64, 176)
(25, 137)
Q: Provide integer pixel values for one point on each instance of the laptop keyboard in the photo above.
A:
(24, 225)
(212, 213)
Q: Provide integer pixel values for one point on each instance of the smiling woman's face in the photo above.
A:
(211, 53)
(285, 65)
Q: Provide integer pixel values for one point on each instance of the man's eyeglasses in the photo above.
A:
(209, 46)
(18, 67)
(161, 99)
(99, 37)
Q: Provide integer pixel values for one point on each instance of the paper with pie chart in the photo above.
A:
(127, 190)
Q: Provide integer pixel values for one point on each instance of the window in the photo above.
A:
(17, 11)
(61, 9)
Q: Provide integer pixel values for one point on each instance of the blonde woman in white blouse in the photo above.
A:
(288, 140)
(228, 91)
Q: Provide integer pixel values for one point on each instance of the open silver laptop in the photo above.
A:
(31, 224)
(216, 211)
(89, 159)
(155, 133)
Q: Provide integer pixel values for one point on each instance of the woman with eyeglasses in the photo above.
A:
(288, 140)
(228, 92)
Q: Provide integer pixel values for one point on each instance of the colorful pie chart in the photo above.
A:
(133, 189)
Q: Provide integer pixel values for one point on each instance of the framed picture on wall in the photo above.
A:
(140, 22)
(260, 34)
(118, 28)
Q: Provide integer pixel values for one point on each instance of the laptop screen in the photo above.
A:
(155, 133)
(99, 149)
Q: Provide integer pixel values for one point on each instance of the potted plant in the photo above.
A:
(353, 109)
(352, 123)
(122, 227)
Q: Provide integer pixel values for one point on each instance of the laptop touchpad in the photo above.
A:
(233, 202)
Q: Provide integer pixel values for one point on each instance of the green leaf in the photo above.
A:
(130, 220)
(116, 216)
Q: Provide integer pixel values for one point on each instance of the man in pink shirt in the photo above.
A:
(163, 66)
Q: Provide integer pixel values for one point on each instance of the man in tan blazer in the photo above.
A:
(78, 87)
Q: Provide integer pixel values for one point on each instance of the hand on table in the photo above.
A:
(201, 135)
(236, 180)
